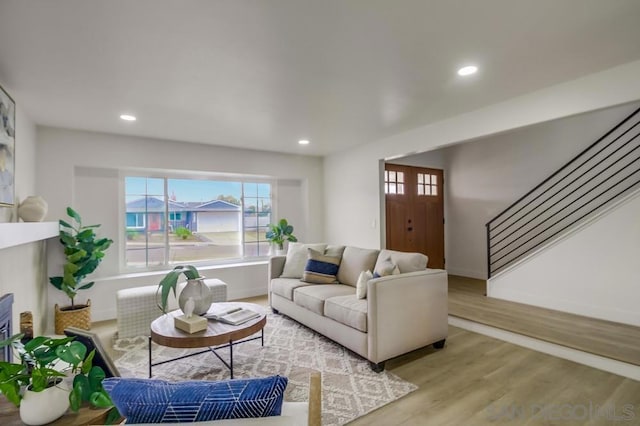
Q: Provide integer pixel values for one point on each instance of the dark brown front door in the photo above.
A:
(414, 206)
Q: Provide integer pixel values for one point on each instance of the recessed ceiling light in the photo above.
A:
(468, 70)
(303, 142)
(127, 117)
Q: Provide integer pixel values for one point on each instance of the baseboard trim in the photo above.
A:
(606, 364)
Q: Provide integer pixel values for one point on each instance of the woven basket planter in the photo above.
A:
(79, 317)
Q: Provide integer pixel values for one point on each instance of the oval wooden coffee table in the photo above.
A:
(218, 335)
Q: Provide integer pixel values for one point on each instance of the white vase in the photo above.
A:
(39, 408)
(198, 290)
(33, 209)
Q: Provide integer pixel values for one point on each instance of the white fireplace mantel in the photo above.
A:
(17, 233)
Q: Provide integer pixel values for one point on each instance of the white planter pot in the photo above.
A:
(39, 408)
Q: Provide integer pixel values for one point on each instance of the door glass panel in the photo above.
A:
(434, 179)
(400, 188)
(420, 178)
(400, 177)
(392, 188)
(434, 190)
(392, 176)
(420, 190)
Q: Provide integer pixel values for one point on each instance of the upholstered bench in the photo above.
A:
(137, 307)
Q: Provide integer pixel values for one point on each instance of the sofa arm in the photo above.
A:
(406, 312)
(276, 266)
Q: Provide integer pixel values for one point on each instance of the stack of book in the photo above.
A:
(230, 315)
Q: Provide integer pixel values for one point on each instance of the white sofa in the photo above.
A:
(401, 312)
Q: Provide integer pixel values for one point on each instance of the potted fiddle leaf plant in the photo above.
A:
(195, 289)
(83, 252)
(280, 232)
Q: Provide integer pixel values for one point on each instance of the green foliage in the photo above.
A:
(38, 358)
(87, 388)
(170, 281)
(83, 250)
(36, 368)
(183, 232)
(280, 232)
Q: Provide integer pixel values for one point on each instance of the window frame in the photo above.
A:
(223, 177)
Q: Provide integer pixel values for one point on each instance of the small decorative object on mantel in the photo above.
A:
(278, 234)
(33, 209)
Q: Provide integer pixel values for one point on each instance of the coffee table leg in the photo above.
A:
(231, 357)
(149, 356)
(262, 337)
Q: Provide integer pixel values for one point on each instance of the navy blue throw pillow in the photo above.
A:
(159, 401)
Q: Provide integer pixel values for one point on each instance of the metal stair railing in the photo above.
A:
(602, 173)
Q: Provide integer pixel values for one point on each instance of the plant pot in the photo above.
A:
(202, 296)
(77, 316)
(39, 408)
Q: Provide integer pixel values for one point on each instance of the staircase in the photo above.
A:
(606, 171)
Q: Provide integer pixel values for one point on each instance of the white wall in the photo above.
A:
(82, 169)
(485, 176)
(23, 268)
(593, 272)
(352, 176)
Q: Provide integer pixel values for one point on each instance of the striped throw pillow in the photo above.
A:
(320, 269)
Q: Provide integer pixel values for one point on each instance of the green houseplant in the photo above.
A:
(87, 388)
(43, 399)
(37, 371)
(83, 251)
(195, 289)
(279, 233)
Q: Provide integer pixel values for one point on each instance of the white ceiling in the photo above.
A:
(264, 73)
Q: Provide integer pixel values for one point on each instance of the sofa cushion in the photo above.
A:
(361, 286)
(354, 261)
(312, 297)
(297, 259)
(407, 262)
(385, 267)
(347, 310)
(320, 269)
(159, 401)
(284, 286)
(336, 251)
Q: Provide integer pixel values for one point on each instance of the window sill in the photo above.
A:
(162, 272)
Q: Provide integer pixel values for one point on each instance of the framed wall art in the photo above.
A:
(7, 149)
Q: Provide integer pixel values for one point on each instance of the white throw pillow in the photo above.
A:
(361, 285)
(386, 267)
(297, 259)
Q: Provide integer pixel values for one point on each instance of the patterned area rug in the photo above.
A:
(349, 388)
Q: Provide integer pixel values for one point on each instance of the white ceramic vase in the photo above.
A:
(33, 209)
(39, 408)
(199, 292)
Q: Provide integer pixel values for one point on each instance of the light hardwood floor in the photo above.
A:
(478, 380)
(605, 338)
